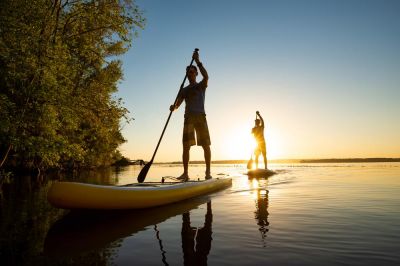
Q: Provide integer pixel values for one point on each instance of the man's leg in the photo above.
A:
(203, 139)
(264, 153)
(257, 153)
(185, 159)
(256, 159)
(187, 140)
(265, 159)
(207, 158)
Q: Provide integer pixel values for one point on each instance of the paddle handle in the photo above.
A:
(170, 113)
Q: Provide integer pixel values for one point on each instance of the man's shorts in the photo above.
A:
(196, 123)
(261, 148)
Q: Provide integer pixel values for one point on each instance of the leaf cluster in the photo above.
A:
(59, 70)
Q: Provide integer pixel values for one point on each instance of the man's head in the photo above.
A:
(191, 73)
(257, 122)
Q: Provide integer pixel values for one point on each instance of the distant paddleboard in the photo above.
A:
(254, 173)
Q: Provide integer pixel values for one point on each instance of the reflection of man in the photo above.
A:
(196, 243)
(258, 132)
(261, 213)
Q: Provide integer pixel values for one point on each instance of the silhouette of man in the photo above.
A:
(195, 116)
(258, 132)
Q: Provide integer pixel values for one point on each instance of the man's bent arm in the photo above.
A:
(203, 72)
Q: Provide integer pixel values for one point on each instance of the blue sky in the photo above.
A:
(324, 74)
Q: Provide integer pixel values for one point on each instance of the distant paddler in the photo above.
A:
(258, 133)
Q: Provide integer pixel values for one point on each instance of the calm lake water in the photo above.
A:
(306, 214)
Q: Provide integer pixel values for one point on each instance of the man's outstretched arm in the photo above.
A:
(262, 120)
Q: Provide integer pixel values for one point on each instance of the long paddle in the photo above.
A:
(143, 173)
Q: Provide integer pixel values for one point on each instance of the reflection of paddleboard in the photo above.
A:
(83, 231)
(254, 173)
(70, 195)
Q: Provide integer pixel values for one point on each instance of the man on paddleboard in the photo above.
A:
(258, 132)
(195, 116)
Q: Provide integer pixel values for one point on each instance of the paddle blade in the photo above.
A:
(142, 175)
(250, 164)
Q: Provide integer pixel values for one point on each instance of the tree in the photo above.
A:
(59, 69)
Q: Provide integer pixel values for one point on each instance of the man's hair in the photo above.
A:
(189, 67)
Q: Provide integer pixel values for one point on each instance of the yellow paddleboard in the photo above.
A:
(71, 195)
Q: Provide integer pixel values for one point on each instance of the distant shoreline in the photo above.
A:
(333, 160)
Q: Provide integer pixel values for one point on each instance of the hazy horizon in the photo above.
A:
(283, 160)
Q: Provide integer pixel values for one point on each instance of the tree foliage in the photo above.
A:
(58, 72)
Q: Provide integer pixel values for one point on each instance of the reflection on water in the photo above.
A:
(82, 231)
(261, 214)
(163, 252)
(304, 215)
(259, 188)
(196, 242)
